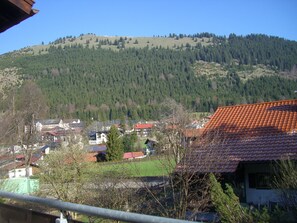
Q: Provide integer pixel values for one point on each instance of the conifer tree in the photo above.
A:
(114, 145)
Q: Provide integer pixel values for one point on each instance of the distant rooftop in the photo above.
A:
(49, 121)
(143, 126)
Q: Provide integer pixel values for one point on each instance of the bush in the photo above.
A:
(228, 206)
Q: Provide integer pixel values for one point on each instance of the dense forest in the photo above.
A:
(96, 83)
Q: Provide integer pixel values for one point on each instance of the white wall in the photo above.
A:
(19, 172)
(100, 139)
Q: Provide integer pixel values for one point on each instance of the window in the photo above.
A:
(92, 137)
(260, 180)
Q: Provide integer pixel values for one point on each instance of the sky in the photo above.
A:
(138, 18)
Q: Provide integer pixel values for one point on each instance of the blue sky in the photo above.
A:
(60, 18)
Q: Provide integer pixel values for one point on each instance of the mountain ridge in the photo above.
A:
(107, 83)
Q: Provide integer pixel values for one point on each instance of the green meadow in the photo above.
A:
(135, 168)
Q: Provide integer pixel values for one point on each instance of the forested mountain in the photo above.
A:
(111, 79)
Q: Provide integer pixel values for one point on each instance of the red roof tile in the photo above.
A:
(192, 132)
(90, 157)
(132, 155)
(255, 119)
(143, 126)
(255, 132)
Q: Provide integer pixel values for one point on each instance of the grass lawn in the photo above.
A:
(135, 168)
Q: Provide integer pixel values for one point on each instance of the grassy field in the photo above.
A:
(245, 72)
(92, 41)
(135, 168)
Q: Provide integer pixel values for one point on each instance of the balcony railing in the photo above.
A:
(90, 210)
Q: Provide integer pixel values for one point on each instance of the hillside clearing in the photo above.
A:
(245, 72)
(116, 43)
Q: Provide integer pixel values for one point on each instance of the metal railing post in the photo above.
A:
(61, 219)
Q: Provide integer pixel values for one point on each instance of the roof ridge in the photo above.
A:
(258, 103)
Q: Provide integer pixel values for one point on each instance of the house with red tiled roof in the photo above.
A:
(143, 129)
(133, 155)
(242, 142)
(192, 135)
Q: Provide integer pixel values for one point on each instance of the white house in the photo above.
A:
(97, 138)
(19, 172)
(48, 124)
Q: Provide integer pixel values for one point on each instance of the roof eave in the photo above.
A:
(12, 12)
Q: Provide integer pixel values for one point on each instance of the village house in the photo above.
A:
(191, 135)
(19, 172)
(75, 125)
(7, 163)
(243, 142)
(68, 124)
(13, 165)
(56, 130)
(150, 145)
(133, 155)
(99, 137)
(48, 124)
(96, 153)
(199, 124)
(56, 134)
(143, 129)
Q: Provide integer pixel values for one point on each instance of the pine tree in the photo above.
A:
(114, 145)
